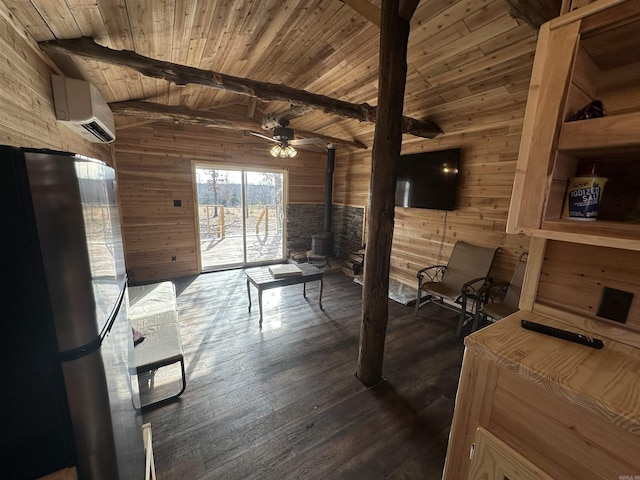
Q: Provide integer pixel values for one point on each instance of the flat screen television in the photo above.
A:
(428, 179)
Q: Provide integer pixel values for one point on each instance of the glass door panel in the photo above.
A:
(264, 216)
(220, 217)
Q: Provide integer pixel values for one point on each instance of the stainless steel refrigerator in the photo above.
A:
(68, 388)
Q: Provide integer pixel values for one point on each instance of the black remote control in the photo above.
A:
(564, 334)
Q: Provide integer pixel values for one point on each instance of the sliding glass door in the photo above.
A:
(264, 216)
(241, 216)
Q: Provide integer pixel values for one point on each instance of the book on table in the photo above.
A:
(284, 270)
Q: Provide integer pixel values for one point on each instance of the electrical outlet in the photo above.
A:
(615, 304)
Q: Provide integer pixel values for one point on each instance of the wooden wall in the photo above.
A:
(27, 117)
(426, 237)
(573, 277)
(155, 168)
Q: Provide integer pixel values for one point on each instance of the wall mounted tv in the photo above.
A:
(428, 179)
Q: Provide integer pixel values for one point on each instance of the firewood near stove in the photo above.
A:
(354, 263)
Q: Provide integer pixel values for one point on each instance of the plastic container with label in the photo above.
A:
(584, 193)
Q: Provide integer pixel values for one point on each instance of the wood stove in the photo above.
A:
(321, 244)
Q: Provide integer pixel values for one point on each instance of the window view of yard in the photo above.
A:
(241, 217)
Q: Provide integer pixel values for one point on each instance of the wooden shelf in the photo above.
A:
(608, 135)
(602, 233)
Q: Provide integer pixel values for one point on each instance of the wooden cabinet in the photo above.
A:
(548, 407)
(591, 53)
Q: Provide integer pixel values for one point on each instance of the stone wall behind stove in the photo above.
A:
(346, 225)
(303, 220)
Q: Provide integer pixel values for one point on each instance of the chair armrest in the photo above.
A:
(469, 289)
(433, 273)
(490, 292)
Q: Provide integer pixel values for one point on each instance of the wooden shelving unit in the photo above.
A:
(533, 395)
(596, 57)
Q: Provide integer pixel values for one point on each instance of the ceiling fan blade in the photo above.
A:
(313, 148)
(308, 141)
(262, 136)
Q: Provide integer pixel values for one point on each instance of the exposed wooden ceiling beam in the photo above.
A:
(407, 9)
(372, 13)
(272, 120)
(184, 115)
(534, 12)
(366, 9)
(182, 75)
(251, 107)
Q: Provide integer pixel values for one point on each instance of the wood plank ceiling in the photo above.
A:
(467, 59)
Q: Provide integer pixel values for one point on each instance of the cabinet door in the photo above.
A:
(495, 460)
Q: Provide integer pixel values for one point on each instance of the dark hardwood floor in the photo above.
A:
(283, 402)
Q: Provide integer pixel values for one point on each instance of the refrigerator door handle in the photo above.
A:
(93, 345)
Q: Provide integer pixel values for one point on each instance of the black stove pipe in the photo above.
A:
(328, 186)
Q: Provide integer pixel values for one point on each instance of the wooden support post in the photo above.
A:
(263, 215)
(394, 35)
(221, 227)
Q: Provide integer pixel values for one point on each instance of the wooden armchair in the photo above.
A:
(455, 284)
(500, 300)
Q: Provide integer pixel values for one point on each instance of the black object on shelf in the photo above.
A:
(594, 109)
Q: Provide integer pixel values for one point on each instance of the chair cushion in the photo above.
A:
(498, 310)
(443, 290)
(512, 298)
(467, 262)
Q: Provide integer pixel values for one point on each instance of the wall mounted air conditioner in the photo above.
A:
(80, 107)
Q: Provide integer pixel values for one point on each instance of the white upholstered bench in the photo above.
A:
(153, 312)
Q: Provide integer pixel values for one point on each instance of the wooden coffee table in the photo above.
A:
(262, 279)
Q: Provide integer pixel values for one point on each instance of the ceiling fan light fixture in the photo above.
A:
(290, 151)
(283, 151)
(276, 151)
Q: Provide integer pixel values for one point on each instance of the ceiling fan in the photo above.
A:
(285, 141)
